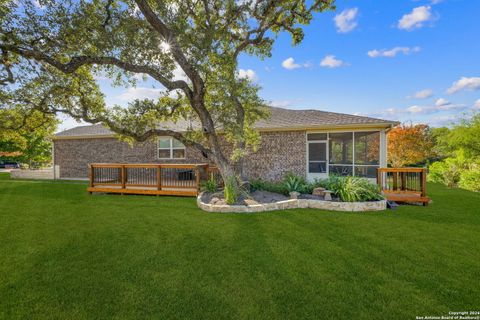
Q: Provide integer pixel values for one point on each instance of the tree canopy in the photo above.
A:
(409, 144)
(52, 50)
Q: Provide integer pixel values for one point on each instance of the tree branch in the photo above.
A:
(76, 62)
(169, 37)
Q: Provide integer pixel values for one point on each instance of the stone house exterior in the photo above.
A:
(310, 143)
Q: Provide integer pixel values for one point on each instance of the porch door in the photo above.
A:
(317, 159)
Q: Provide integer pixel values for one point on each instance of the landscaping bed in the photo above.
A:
(346, 194)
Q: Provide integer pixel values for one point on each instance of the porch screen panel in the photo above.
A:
(367, 153)
(341, 153)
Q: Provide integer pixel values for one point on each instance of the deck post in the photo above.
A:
(197, 179)
(402, 177)
(395, 181)
(91, 176)
(123, 176)
(424, 184)
(379, 178)
(159, 177)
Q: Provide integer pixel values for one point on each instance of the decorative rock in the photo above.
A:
(327, 195)
(214, 200)
(294, 195)
(318, 191)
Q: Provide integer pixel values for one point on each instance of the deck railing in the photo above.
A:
(158, 179)
(404, 184)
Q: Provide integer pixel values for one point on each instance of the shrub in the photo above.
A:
(436, 171)
(351, 189)
(470, 178)
(447, 172)
(277, 187)
(210, 185)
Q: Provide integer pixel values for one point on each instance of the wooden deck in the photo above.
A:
(149, 179)
(404, 184)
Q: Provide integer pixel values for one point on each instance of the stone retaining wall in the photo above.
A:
(295, 204)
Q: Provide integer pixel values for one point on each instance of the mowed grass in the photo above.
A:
(65, 254)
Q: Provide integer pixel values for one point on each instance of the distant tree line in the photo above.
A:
(452, 154)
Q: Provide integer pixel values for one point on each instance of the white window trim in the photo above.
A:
(171, 148)
(353, 165)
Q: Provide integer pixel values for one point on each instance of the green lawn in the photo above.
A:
(65, 254)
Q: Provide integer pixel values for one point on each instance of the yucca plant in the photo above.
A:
(294, 183)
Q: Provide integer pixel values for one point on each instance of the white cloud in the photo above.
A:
(133, 93)
(416, 18)
(290, 64)
(419, 110)
(465, 83)
(392, 52)
(477, 104)
(442, 102)
(345, 20)
(247, 74)
(331, 62)
(422, 94)
(140, 93)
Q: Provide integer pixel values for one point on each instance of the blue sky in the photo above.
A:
(405, 60)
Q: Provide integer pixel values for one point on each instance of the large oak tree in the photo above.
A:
(52, 50)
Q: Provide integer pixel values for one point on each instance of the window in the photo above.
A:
(347, 153)
(169, 148)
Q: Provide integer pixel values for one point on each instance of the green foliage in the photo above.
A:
(26, 133)
(231, 190)
(276, 187)
(470, 179)
(346, 188)
(351, 189)
(210, 185)
(447, 172)
(294, 183)
(456, 172)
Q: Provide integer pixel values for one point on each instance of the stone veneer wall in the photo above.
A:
(74, 155)
(278, 153)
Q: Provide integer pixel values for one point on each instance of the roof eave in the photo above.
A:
(379, 125)
(89, 136)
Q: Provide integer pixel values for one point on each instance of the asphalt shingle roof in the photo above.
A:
(280, 118)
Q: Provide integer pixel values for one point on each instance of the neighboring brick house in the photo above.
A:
(310, 143)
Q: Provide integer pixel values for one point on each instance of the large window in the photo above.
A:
(169, 148)
(349, 153)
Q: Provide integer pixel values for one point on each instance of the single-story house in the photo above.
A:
(310, 143)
